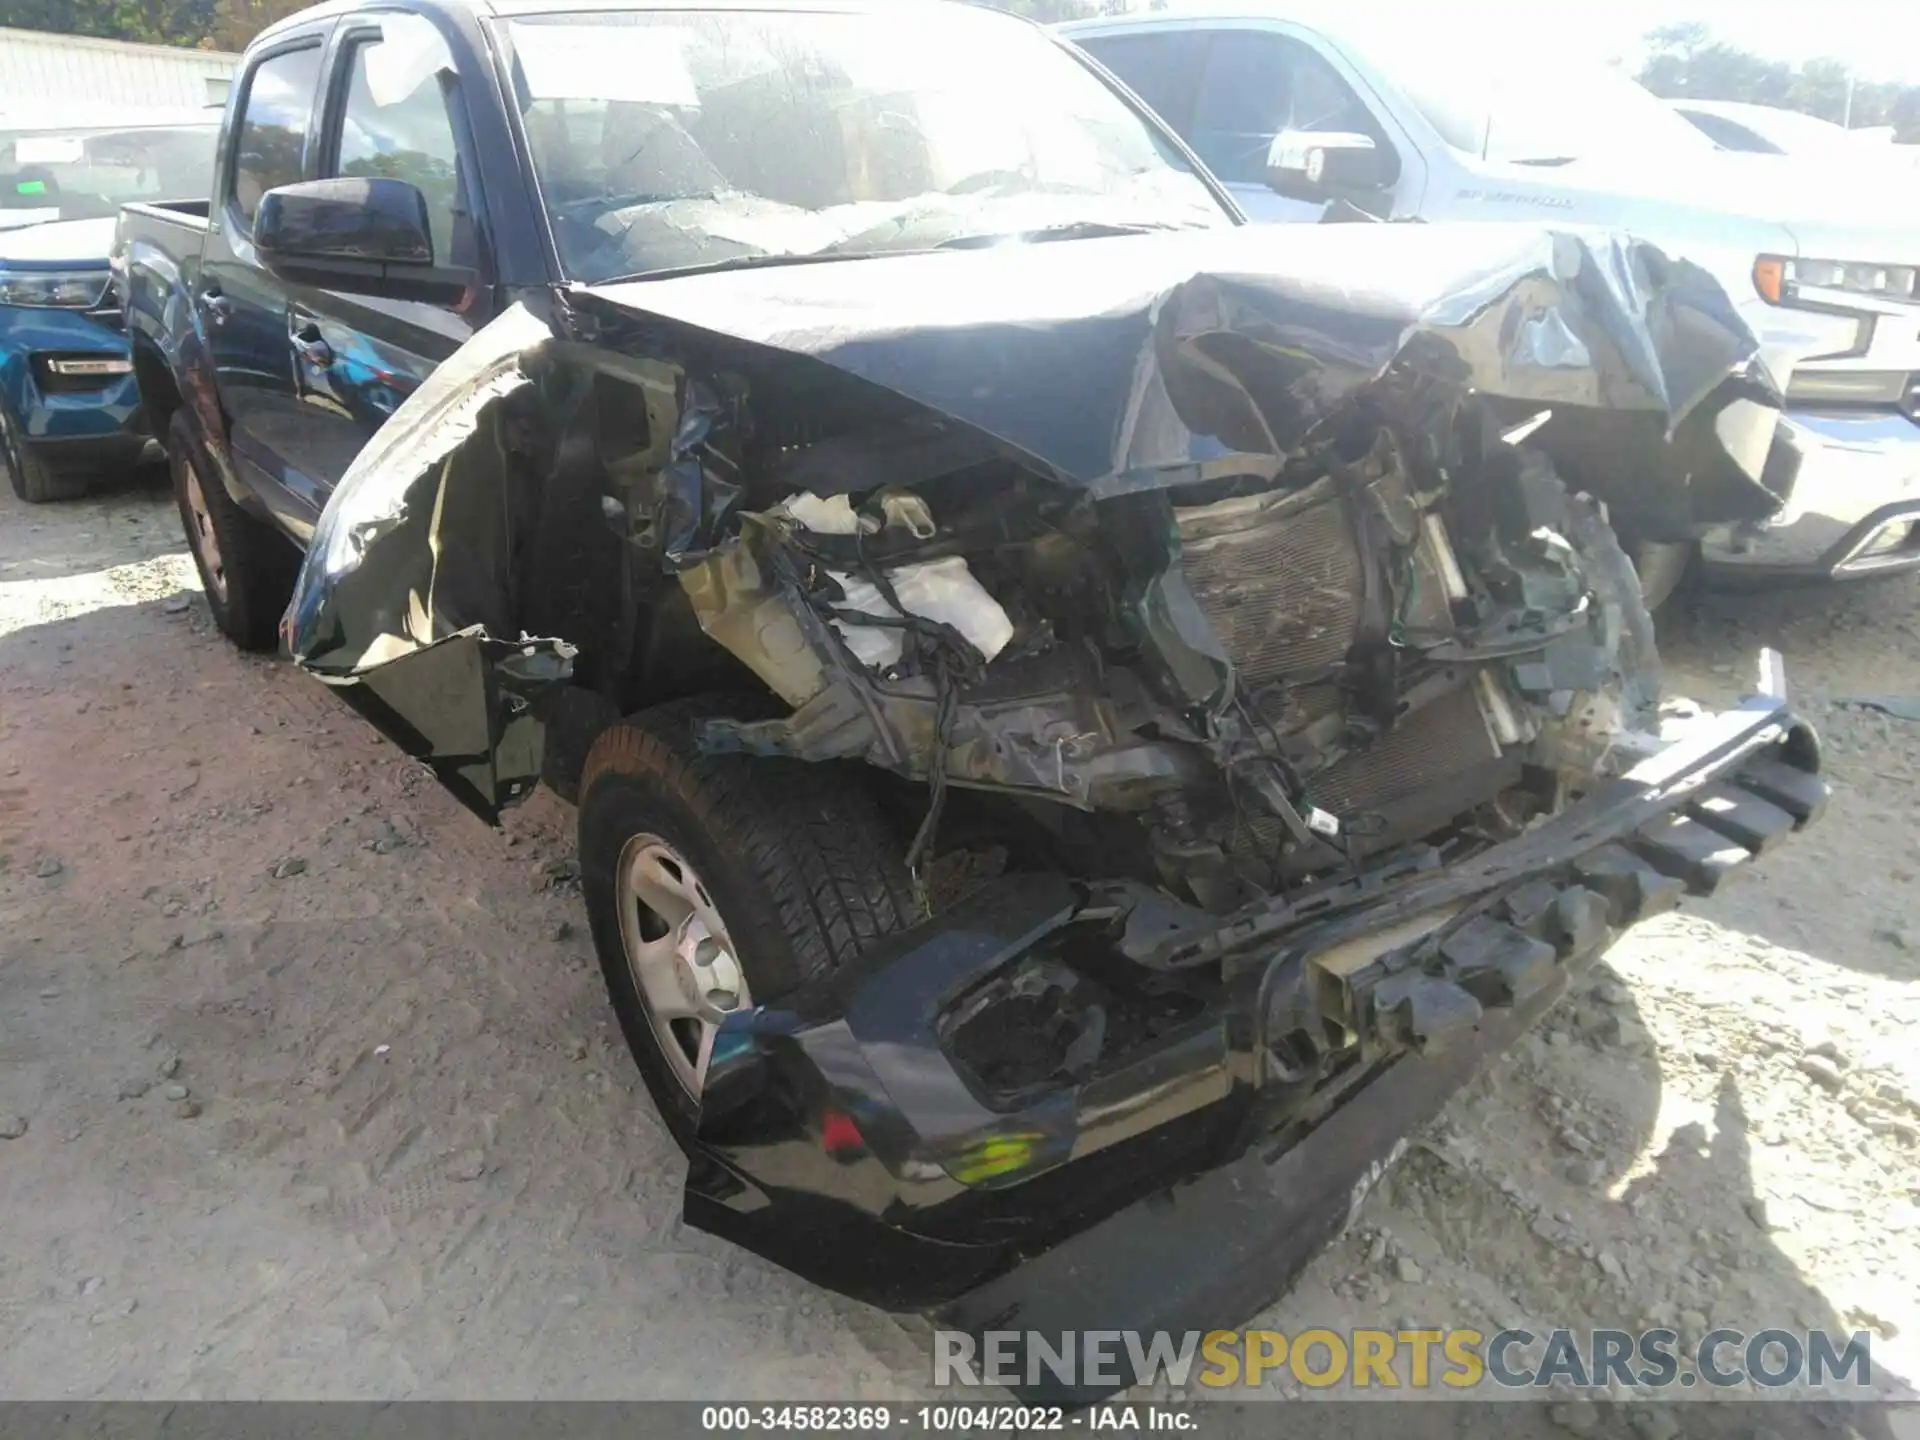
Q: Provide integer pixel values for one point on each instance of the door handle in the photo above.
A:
(309, 344)
(218, 308)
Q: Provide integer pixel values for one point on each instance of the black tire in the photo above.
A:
(32, 480)
(801, 865)
(250, 582)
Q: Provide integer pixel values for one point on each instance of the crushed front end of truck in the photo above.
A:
(1237, 625)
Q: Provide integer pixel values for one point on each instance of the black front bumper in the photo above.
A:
(1183, 1185)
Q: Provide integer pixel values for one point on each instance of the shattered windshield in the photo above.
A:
(672, 139)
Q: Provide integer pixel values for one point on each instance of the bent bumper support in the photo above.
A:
(1182, 1185)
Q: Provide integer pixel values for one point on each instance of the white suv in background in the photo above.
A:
(1414, 119)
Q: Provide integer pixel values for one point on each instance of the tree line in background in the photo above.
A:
(202, 24)
(1683, 59)
(1686, 60)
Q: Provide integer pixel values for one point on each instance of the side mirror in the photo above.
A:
(1317, 165)
(366, 236)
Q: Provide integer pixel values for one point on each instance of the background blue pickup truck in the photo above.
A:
(69, 409)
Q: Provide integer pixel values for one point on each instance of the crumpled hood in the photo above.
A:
(1110, 360)
(1117, 365)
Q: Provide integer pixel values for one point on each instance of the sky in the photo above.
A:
(1879, 39)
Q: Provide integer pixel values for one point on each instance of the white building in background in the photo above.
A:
(79, 71)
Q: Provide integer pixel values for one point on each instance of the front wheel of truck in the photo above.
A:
(718, 882)
(245, 567)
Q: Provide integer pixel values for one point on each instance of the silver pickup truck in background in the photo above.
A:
(1410, 122)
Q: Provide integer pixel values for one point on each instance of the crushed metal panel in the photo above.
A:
(1138, 360)
(466, 706)
(385, 556)
(392, 603)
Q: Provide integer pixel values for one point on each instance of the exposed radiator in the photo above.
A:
(1437, 743)
(1278, 578)
(1433, 744)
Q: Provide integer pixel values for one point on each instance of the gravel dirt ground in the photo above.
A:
(310, 1087)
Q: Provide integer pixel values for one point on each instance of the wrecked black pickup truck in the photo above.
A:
(1083, 735)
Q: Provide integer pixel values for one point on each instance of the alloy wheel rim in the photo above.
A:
(677, 950)
(206, 544)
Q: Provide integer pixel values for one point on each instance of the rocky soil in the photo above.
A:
(308, 1086)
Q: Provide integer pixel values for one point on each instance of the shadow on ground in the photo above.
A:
(120, 523)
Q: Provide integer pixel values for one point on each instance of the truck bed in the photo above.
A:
(156, 245)
(142, 218)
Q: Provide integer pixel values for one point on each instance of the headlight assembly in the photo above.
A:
(54, 289)
(1783, 281)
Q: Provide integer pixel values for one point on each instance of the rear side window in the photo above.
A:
(1727, 135)
(1162, 68)
(396, 124)
(273, 126)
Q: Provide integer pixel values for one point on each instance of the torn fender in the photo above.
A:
(469, 706)
(399, 603)
(410, 550)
